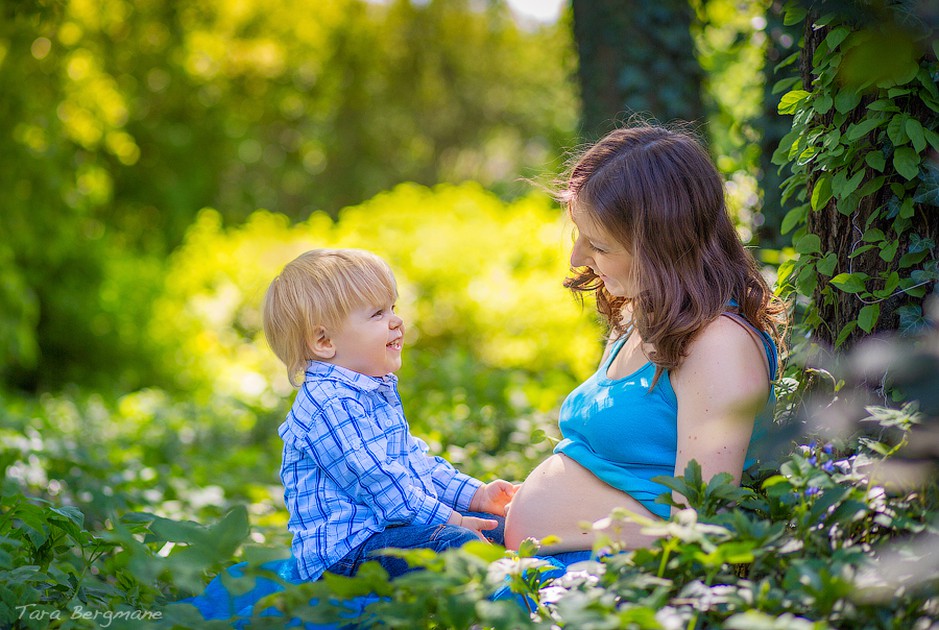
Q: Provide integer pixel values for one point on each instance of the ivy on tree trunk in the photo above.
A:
(864, 160)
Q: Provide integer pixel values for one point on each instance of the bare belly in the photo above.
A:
(557, 497)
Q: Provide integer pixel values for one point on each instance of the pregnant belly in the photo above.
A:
(558, 498)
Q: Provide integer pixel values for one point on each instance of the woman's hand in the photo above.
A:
(493, 497)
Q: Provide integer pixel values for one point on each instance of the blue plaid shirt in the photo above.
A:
(351, 467)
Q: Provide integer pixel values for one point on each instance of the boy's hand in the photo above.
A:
(493, 497)
(478, 525)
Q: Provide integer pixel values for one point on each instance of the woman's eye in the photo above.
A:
(599, 250)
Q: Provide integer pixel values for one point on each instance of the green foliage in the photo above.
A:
(54, 571)
(862, 187)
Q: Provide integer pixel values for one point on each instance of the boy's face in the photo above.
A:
(369, 341)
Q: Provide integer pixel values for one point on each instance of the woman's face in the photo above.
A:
(607, 257)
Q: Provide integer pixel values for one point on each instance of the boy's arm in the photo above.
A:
(351, 448)
(454, 488)
(463, 492)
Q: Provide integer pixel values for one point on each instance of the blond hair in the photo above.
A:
(319, 288)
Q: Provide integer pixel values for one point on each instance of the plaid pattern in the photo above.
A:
(351, 467)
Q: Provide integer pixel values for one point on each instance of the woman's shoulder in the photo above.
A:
(726, 348)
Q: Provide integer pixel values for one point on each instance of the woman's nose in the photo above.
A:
(578, 259)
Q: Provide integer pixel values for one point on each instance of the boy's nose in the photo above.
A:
(396, 322)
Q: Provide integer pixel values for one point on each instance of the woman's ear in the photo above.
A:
(321, 345)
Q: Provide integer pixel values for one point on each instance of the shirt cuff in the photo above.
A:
(460, 491)
(432, 512)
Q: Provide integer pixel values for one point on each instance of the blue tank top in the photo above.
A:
(626, 435)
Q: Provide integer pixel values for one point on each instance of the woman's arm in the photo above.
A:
(721, 386)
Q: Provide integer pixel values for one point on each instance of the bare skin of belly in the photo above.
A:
(557, 497)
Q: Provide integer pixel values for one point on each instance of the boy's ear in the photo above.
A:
(321, 345)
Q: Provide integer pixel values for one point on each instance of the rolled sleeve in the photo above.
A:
(455, 488)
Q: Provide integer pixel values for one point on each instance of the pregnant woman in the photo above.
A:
(692, 350)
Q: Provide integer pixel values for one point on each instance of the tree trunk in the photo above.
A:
(636, 57)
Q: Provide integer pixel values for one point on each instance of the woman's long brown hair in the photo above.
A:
(657, 192)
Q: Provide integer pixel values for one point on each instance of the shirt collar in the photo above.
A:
(328, 371)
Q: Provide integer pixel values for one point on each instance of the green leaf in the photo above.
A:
(826, 266)
(807, 280)
(873, 235)
(931, 102)
(850, 511)
(168, 530)
(932, 138)
(883, 105)
(781, 154)
(832, 139)
(857, 251)
(846, 100)
(806, 156)
(228, 534)
(793, 218)
(916, 133)
(911, 258)
(890, 285)
(876, 160)
(823, 103)
(821, 192)
(906, 161)
(848, 205)
(896, 130)
(872, 186)
(850, 282)
(906, 208)
(845, 333)
(868, 317)
(808, 244)
(861, 129)
(851, 185)
(794, 14)
(790, 101)
(889, 252)
(784, 85)
(836, 36)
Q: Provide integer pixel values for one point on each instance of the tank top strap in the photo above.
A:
(617, 345)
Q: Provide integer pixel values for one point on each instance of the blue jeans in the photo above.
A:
(570, 557)
(436, 537)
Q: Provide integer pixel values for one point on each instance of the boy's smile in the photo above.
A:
(369, 341)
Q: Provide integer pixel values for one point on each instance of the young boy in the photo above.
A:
(355, 479)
